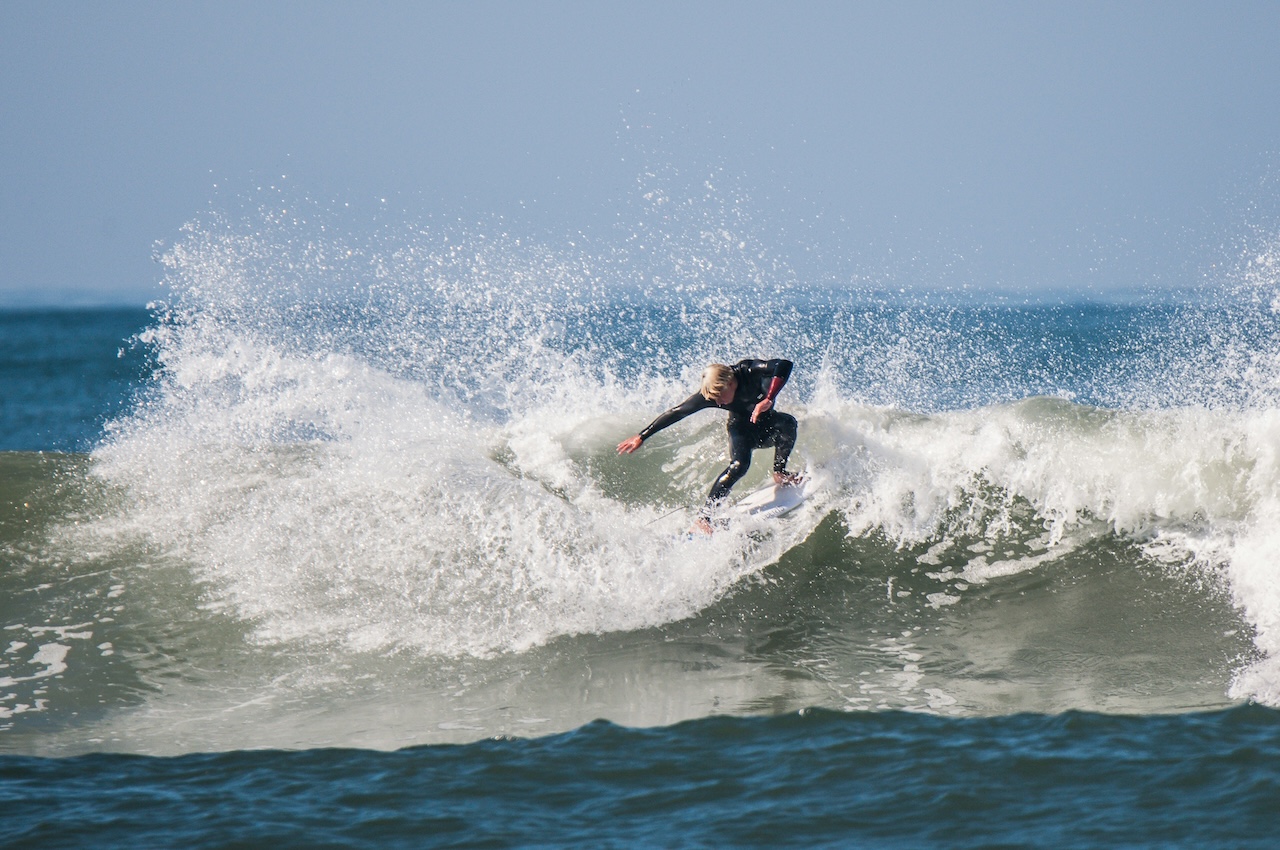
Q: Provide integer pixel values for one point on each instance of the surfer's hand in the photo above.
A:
(629, 445)
(762, 408)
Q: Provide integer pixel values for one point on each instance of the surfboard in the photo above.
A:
(769, 502)
(773, 500)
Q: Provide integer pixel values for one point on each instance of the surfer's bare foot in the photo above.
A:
(788, 479)
(702, 526)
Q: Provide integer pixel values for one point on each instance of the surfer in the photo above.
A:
(747, 390)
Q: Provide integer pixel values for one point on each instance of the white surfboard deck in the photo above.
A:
(769, 502)
(773, 500)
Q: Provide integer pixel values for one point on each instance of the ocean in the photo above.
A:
(331, 547)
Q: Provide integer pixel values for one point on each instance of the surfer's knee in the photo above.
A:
(732, 474)
(735, 470)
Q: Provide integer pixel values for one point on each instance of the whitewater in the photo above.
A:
(367, 495)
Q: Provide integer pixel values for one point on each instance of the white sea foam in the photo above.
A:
(427, 465)
(408, 524)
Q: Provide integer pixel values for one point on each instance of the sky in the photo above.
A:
(1062, 150)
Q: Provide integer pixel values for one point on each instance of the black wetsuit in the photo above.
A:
(771, 429)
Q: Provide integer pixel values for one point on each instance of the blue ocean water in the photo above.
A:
(813, 779)
(331, 547)
(65, 373)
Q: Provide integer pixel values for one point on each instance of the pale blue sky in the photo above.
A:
(1072, 148)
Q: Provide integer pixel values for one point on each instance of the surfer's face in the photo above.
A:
(726, 394)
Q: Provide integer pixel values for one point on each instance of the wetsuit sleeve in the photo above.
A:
(781, 372)
(692, 404)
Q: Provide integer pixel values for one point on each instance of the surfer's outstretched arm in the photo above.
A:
(692, 404)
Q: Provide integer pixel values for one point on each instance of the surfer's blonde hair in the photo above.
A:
(714, 379)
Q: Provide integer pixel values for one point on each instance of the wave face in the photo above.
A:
(370, 497)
